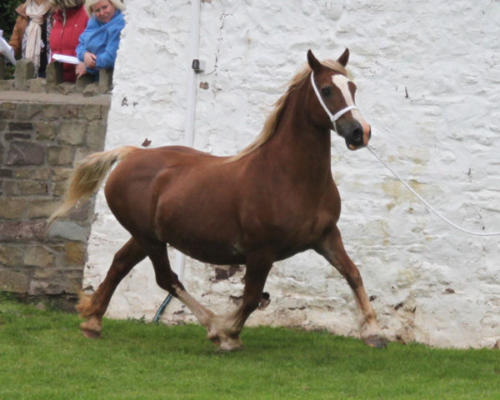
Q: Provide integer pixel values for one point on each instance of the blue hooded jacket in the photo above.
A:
(102, 40)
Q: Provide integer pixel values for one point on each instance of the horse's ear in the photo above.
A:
(344, 58)
(313, 61)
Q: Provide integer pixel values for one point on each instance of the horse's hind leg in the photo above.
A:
(167, 280)
(225, 329)
(333, 250)
(93, 307)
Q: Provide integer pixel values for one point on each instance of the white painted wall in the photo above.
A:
(428, 74)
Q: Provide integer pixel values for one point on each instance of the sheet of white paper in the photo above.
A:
(65, 59)
(6, 50)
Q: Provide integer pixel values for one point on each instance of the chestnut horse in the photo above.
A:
(274, 199)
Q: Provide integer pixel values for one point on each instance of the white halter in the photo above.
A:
(338, 114)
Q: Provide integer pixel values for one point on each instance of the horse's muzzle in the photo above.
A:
(357, 135)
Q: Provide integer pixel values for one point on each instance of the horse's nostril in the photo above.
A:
(357, 135)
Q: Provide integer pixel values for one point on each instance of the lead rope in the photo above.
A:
(427, 205)
(338, 114)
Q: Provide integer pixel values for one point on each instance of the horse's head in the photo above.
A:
(335, 107)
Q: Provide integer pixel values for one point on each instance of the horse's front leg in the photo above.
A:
(225, 330)
(332, 248)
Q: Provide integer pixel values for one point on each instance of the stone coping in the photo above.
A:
(56, 98)
(25, 80)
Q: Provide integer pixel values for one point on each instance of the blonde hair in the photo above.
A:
(118, 4)
(63, 4)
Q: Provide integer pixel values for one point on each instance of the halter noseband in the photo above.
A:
(338, 114)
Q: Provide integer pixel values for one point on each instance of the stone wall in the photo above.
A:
(42, 135)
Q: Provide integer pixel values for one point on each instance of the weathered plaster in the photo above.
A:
(428, 77)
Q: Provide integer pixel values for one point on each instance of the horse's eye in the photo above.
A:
(326, 91)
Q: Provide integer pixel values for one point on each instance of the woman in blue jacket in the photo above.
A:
(98, 44)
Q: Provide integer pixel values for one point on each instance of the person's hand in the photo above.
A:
(80, 70)
(89, 59)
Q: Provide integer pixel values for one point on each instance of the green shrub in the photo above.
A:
(8, 16)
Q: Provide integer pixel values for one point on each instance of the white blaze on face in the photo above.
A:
(342, 83)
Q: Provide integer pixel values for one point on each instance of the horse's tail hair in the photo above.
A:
(88, 176)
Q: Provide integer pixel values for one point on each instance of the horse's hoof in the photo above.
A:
(214, 339)
(88, 333)
(91, 328)
(379, 342)
(230, 345)
(226, 343)
(229, 349)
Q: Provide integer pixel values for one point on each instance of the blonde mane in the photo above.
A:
(272, 120)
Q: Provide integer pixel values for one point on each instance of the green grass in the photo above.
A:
(44, 356)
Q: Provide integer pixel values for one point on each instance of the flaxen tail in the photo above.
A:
(88, 176)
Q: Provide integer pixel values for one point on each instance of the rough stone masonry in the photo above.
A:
(42, 134)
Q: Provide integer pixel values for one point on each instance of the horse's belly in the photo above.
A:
(206, 236)
(210, 252)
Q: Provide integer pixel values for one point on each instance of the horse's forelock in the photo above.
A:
(336, 66)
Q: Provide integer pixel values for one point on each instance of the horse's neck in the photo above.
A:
(302, 148)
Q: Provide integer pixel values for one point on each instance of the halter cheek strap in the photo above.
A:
(338, 114)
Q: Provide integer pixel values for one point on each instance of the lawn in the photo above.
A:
(44, 356)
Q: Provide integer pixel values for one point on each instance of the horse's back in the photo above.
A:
(148, 163)
(133, 186)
